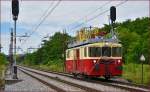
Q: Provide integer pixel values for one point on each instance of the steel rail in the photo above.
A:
(135, 89)
(94, 79)
(87, 89)
(44, 82)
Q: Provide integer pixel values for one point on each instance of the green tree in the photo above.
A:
(51, 50)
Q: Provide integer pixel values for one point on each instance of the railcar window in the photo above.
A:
(94, 51)
(106, 51)
(116, 51)
(68, 52)
(85, 52)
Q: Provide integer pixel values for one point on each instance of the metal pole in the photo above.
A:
(64, 49)
(0, 30)
(15, 42)
(109, 19)
(0, 38)
(11, 52)
(112, 27)
(142, 58)
(142, 73)
(14, 65)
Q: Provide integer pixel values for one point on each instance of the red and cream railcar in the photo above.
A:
(95, 60)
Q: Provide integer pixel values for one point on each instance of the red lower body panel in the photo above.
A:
(95, 69)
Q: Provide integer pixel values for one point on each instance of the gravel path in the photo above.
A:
(27, 84)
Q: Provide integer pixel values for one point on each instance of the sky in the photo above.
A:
(67, 15)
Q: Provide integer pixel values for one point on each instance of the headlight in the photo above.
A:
(94, 61)
(106, 43)
(119, 61)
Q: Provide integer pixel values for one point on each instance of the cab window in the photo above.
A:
(106, 51)
(116, 51)
(94, 51)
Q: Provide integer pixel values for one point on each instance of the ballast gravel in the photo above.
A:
(100, 87)
(27, 84)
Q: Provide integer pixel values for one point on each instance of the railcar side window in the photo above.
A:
(68, 52)
(116, 51)
(85, 52)
(94, 51)
(106, 51)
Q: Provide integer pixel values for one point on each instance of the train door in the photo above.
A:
(77, 54)
(76, 59)
(107, 69)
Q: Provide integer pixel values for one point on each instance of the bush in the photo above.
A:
(2, 69)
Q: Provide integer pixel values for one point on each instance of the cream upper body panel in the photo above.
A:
(100, 44)
(72, 51)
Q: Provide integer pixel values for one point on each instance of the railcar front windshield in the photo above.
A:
(94, 51)
(106, 51)
(116, 51)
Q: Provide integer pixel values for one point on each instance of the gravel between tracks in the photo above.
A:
(96, 86)
(27, 84)
(61, 85)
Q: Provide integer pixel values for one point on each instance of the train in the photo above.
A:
(95, 58)
(95, 53)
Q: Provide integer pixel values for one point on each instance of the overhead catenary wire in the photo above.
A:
(44, 18)
(40, 19)
(77, 25)
(45, 12)
(99, 13)
(95, 10)
(90, 19)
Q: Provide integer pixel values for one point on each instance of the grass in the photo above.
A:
(3, 63)
(2, 71)
(133, 72)
(53, 66)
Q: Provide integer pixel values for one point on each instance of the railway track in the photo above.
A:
(88, 85)
(100, 80)
(56, 83)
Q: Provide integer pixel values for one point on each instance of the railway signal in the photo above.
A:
(112, 18)
(15, 9)
(113, 13)
(15, 12)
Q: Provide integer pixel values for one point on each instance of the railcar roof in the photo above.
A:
(99, 44)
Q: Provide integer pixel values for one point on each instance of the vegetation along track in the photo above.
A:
(89, 85)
